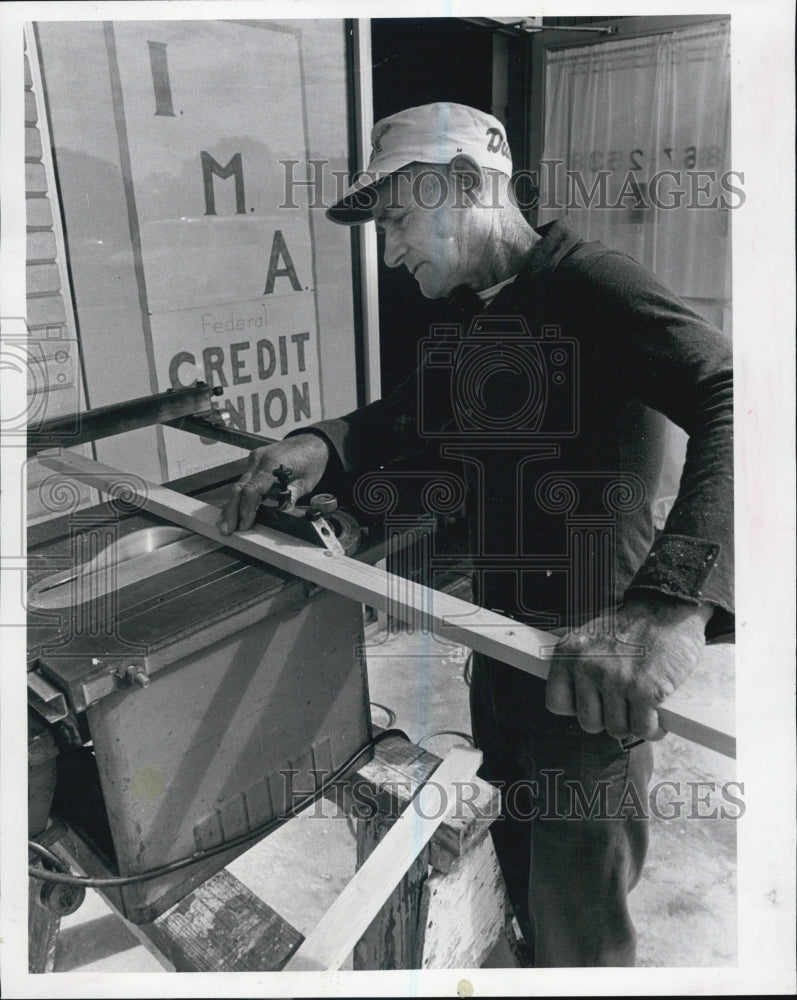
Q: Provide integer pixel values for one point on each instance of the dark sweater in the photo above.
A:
(560, 430)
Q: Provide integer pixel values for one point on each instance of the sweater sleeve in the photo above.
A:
(679, 364)
(386, 430)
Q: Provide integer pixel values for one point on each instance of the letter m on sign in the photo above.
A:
(233, 169)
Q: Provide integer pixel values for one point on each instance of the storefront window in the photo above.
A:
(637, 150)
(195, 250)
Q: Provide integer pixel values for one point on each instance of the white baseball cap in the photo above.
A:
(431, 133)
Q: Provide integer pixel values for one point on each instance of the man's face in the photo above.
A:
(425, 230)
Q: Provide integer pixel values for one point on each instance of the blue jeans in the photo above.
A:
(573, 833)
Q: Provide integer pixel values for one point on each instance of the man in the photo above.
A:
(571, 414)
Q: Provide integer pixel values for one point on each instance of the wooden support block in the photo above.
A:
(462, 897)
(509, 952)
(395, 773)
(333, 939)
(463, 913)
(222, 927)
(529, 649)
(390, 940)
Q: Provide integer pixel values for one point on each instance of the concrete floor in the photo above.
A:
(684, 907)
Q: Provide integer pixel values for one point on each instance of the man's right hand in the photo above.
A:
(305, 454)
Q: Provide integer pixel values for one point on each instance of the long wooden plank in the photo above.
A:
(521, 646)
(327, 946)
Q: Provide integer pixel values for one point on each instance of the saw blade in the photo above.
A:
(138, 556)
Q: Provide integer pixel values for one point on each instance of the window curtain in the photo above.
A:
(619, 114)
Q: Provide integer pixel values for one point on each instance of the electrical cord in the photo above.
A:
(95, 882)
(446, 732)
(391, 715)
(391, 721)
(51, 857)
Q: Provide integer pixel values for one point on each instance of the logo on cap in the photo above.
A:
(497, 143)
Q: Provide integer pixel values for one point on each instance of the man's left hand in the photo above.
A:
(614, 678)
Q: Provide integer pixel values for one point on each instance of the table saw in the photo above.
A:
(215, 680)
(183, 694)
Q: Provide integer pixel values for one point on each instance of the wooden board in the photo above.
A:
(223, 927)
(396, 772)
(327, 946)
(389, 942)
(521, 646)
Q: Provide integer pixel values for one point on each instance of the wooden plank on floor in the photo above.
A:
(332, 940)
(521, 646)
(223, 927)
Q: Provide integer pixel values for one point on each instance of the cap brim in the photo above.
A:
(356, 206)
(358, 201)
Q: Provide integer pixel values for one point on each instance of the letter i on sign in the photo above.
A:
(160, 79)
(164, 107)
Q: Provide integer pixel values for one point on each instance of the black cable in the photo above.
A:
(446, 732)
(50, 857)
(391, 715)
(95, 882)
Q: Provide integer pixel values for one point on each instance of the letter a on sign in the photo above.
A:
(279, 250)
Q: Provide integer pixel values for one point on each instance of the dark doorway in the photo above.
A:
(419, 61)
